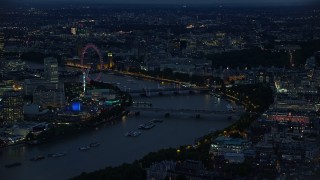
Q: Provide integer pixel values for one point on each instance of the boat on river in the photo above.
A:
(84, 148)
(13, 165)
(147, 125)
(38, 158)
(132, 133)
(57, 155)
(136, 133)
(94, 144)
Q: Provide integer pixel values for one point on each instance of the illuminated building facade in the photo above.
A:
(51, 69)
(223, 145)
(73, 31)
(301, 118)
(1, 44)
(5, 87)
(289, 117)
(46, 96)
(110, 59)
(100, 94)
(12, 107)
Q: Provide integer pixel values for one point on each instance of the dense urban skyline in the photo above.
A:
(230, 2)
(228, 90)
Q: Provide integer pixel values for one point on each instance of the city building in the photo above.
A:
(223, 145)
(295, 104)
(49, 97)
(96, 94)
(172, 170)
(73, 31)
(12, 107)
(159, 170)
(51, 69)
(191, 170)
(287, 116)
(47, 92)
(5, 87)
(29, 85)
(234, 158)
(1, 44)
(33, 112)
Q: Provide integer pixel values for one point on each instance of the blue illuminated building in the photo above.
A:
(76, 106)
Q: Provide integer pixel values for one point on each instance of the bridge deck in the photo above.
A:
(183, 110)
(170, 89)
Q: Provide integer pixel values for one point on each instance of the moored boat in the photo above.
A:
(38, 158)
(147, 125)
(56, 155)
(133, 133)
(94, 144)
(84, 148)
(128, 133)
(13, 165)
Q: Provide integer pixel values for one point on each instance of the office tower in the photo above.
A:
(1, 44)
(12, 107)
(51, 69)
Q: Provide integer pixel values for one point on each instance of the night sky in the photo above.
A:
(289, 2)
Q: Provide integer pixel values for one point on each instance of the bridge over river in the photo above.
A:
(172, 110)
(146, 90)
(167, 91)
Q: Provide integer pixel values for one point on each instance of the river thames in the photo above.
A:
(181, 128)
